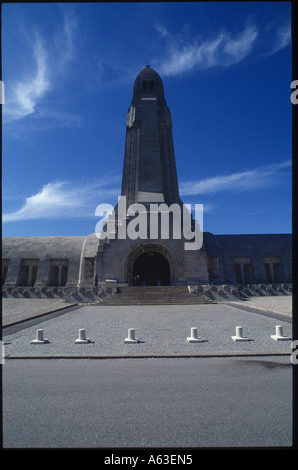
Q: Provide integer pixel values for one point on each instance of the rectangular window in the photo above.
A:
(273, 269)
(243, 269)
(28, 272)
(58, 272)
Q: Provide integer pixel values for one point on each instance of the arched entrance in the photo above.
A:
(151, 269)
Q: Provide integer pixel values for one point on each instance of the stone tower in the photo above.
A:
(149, 185)
(149, 173)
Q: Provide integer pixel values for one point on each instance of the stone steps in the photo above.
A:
(154, 295)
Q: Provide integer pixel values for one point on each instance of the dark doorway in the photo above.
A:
(151, 269)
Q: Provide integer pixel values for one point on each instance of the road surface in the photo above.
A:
(169, 402)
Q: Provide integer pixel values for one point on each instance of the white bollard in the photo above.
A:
(279, 336)
(239, 335)
(131, 336)
(194, 338)
(39, 338)
(82, 337)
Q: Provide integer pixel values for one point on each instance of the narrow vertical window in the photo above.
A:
(268, 274)
(238, 273)
(5, 264)
(247, 273)
(277, 272)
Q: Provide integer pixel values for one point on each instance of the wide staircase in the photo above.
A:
(154, 295)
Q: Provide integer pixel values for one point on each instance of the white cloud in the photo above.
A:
(64, 39)
(222, 50)
(27, 92)
(237, 48)
(63, 199)
(283, 38)
(44, 62)
(242, 181)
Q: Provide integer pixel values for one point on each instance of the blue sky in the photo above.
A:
(69, 70)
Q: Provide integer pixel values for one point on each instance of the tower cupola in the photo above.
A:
(148, 84)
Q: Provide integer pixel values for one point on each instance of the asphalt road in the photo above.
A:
(133, 403)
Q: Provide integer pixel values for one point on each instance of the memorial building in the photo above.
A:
(151, 238)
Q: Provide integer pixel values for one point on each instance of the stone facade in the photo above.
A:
(149, 177)
(47, 261)
(227, 259)
(249, 259)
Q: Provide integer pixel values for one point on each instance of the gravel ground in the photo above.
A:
(282, 304)
(162, 330)
(14, 310)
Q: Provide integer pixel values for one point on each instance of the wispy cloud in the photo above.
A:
(282, 38)
(221, 49)
(242, 181)
(25, 95)
(65, 199)
(27, 92)
(69, 199)
(64, 38)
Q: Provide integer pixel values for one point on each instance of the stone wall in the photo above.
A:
(245, 259)
(45, 261)
(74, 261)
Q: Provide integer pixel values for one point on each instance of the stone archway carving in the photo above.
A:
(145, 248)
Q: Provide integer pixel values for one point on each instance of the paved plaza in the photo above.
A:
(162, 329)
